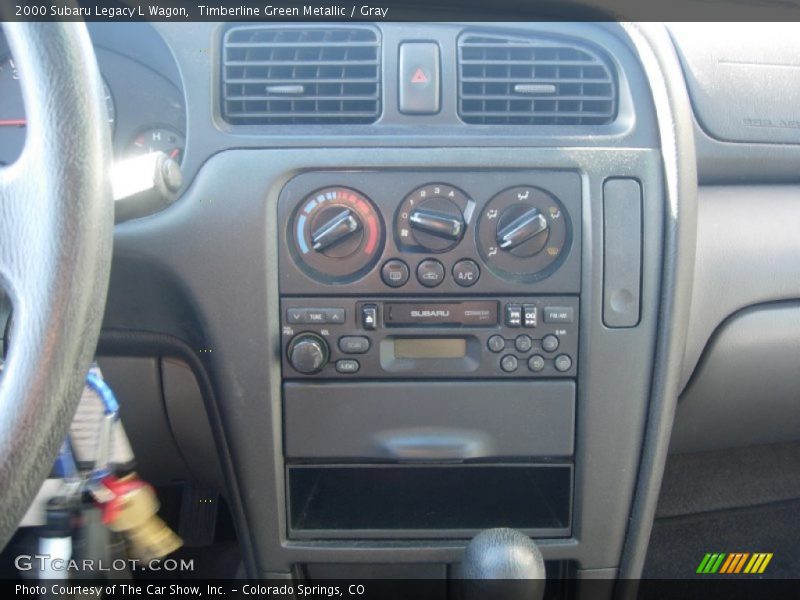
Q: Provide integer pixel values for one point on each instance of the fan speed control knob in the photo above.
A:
(308, 353)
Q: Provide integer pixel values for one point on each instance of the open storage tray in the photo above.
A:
(427, 501)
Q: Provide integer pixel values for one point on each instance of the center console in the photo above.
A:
(433, 324)
(429, 327)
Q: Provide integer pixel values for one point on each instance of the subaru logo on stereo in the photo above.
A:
(428, 314)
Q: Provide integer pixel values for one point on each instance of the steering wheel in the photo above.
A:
(56, 227)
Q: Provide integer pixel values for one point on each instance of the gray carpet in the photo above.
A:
(723, 479)
(742, 500)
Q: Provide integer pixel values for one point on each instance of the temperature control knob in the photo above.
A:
(522, 230)
(342, 226)
(336, 234)
(433, 218)
(308, 353)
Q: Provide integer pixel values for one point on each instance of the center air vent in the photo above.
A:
(294, 75)
(533, 81)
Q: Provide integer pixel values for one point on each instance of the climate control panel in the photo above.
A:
(442, 232)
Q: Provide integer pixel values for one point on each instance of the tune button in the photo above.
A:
(523, 343)
(496, 343)
(550, 343)
(466, 272)
(563, 363)
(394, 273)
(509, 363)
(536, 363)
(430, 272)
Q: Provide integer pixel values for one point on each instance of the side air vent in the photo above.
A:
(300, 75)
(533, 81)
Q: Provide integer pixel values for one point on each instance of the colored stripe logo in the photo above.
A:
(734, 563)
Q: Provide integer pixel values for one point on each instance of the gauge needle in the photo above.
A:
(174, 153)
(13, 122)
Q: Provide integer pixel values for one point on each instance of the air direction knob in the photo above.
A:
(522, 230)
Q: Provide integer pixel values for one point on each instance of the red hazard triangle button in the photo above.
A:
(419, 76)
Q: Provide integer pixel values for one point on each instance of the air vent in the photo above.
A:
(533, 81)
(293, 75)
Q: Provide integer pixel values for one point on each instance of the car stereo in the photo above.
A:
(526, 336)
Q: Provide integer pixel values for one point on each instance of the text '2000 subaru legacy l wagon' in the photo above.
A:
(310, 304)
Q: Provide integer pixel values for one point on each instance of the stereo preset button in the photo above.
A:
(509, 363)
(563, 363)
(523, 343)
(536, 363)
(430, 272)
(369, 316)
(496, 343)
(353, 344)
(347, 365)
(530, 315)
(513, 315)
(394, 273)
(558, 314)
(466, 272)
(550, 343)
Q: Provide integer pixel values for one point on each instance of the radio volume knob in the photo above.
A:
(308, 353)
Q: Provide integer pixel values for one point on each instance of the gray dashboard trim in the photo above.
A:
(220, 241)
(196, 48)
(218, 244)
(673, 109)
(726, 403)
(747, 253)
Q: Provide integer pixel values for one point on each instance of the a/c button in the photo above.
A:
(466, 272)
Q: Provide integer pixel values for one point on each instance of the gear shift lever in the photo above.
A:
(502, 554)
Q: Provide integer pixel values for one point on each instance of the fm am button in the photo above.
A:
(466, 272)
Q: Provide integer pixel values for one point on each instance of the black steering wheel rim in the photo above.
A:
(56, 224)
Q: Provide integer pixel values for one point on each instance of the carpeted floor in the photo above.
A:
(743, 500)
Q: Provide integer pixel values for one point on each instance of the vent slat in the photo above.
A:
(300, 115)
(230, 45)
(544, 114)
(529, 97)
(300, 63)
(513, 80)
(329, 75)
(277, 97)
(297, 81)
(538, 63)
(542, 80)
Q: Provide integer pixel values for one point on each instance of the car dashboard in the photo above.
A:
(425, 279)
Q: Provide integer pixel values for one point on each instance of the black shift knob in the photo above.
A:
(502, 564)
